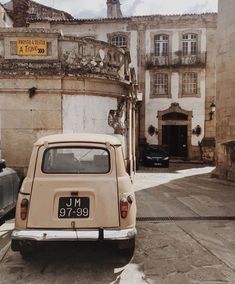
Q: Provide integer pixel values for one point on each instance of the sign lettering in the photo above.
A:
(31, 47)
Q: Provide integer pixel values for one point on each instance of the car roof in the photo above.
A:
(79, 137)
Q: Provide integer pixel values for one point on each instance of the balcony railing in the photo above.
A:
(96, 57)
(176, 59)
(66, 55)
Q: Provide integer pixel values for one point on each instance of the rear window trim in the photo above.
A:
(72, 173)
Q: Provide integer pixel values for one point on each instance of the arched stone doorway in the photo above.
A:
(175, 129)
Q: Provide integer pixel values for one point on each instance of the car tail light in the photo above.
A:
(124, 207)
(24, 208)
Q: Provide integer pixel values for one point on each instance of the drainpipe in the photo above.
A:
(134, 136)
(130, 138)
(0, 135)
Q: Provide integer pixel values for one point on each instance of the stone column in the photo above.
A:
(141, 59)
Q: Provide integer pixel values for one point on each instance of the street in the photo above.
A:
(186, 234)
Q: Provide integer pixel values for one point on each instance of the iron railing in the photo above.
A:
(176, 59)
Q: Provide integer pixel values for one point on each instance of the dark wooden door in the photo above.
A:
(175, 138)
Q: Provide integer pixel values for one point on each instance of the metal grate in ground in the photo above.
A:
(196, 218)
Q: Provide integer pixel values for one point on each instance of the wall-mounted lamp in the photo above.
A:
(32, 91)
(152, 130)
(212, 110)
(197, 130)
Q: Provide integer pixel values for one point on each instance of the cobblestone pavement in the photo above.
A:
(186, 234)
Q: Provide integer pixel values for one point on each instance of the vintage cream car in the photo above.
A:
(76, 189)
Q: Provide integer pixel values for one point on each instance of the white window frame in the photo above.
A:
(160, 84)
(190, 44)
(161, 45)
(119, 40)
(190, 83)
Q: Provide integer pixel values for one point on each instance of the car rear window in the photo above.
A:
(76, 160)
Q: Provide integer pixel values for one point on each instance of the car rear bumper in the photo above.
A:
(78, 235)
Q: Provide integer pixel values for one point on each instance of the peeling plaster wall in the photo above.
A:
(51, 111)
(87, 114)
(24, 120)
(73, 87)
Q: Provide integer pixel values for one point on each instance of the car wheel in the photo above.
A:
(26, 255)
(26, 250)
(15, 245)
(127, 247)
(166, 165)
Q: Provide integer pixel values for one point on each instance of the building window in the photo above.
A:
(161, 43)
(119, 41)
(190, 83)
(190, 44)
(32, 17)
(160, 84)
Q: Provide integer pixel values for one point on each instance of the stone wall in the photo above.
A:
(73, 88)
(225, 99)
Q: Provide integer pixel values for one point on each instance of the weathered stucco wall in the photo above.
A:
(26, 119)
(94, 117)
(225, 100)
(73, 88)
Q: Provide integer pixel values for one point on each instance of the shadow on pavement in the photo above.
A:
(173, 167)
(63, 262)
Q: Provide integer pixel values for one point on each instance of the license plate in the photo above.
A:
(157, 164)
(74, 207)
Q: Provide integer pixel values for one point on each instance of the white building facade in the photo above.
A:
(174, 58)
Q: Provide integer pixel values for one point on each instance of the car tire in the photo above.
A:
(166, 165)
(26, 255)
(127, 247)
(26, 250)
(15, 245)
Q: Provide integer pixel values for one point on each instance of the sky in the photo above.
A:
(97, 8)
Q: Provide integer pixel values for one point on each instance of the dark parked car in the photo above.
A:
(155, 155)
(9, 187)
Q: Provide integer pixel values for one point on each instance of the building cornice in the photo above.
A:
(148, 18)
